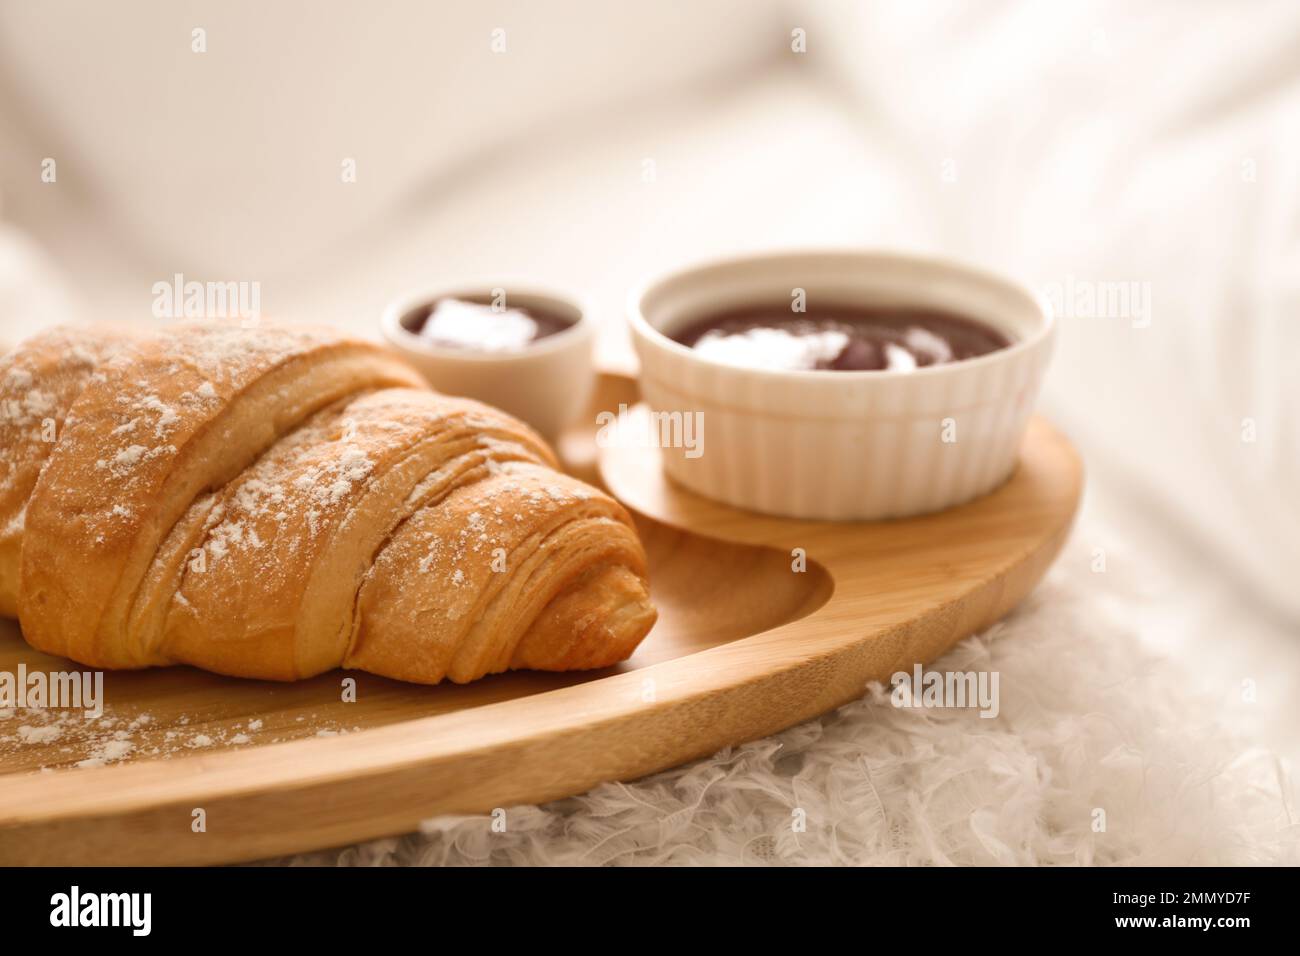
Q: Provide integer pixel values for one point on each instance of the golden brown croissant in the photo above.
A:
(281, 501)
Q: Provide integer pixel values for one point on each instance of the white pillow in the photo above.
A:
(230, 162)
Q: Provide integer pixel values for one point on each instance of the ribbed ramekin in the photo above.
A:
(547, 384)
(843, 445)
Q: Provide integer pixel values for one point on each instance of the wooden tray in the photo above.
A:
(744, 647)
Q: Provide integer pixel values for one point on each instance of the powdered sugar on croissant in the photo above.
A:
(278, 502)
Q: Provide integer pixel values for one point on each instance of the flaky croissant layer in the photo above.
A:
(280, 501)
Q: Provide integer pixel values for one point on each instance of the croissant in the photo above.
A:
(281, 501)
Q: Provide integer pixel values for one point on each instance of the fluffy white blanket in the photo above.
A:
(1102, 753)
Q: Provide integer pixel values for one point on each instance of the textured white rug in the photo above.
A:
(1093, 731)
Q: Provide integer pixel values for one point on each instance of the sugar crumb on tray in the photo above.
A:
(63, 739)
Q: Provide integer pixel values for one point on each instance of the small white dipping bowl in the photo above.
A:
(840, 445)
(547, 383)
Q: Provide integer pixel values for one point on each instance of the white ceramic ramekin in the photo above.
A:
(843, 445)
(547, 384)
